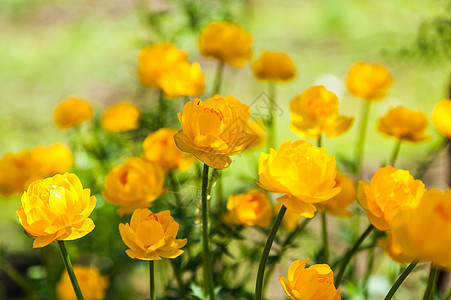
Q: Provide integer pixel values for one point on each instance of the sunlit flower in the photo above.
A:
(183, 79)
(56, 209)
(227, 42)
(120, 117)
(93, 284)
(315, 112)
(52, 160)
(151, 236)
(368, 81)
(389, 191)
(338, 205)
(274, 66)
(72, 112)
(301, 171)
(441, 117)
(313, 283)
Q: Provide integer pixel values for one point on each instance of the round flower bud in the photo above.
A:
(120, 117)
(183, 79)
(368, 81)
(72, 112)
(274, 66)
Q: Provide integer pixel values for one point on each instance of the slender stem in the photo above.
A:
(433, 274)
(324, 238)
(218, 78)
(350, 254)
(152, 280)
(319, 143)
(178, 278)
(265, 254)
(400, 280)
(161, 108)
(207, 267)
(70, 270)
(362, 133)
(395, 152)
(271, 122)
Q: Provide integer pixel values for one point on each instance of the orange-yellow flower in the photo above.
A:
(227, 42)
(313, 283)
(315, 112)
(404, 124)
(54, 159)
(393, 250)
(120, 117)
(156, 60)
(183, 79)
(56, 209)
(214, 129)
(389, 191)
(160, 148)
(338, 205)
(151, 236)
(274, 66)
(72, 112)
(250, 209)
(92, 283)
(16, 172)
(441, 116)
(368, 81)
(134, 184)
(301, 171)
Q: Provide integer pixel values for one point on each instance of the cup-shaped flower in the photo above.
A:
(151, 236)
(52, 160)
(274, 66)
(214, 129)
(315, 112)
(441, 116)
(389, 191)
(120, 117)
(313, 283)
(156, 60)
(404, 124)
(227, 42)
(424, 233)
(250, 209)
(93, 284)
(183, 79)
(368, 81)
(17, 170)
(72, 112)
(134, 184)
(338, 205)
(56, 209)
(303, 172)
(160, 148)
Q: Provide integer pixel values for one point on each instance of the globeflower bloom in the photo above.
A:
(393, 250)
(17, 170)
(120, 117)
(250, 209)
(134, 184)
(390, 191)
(183, 79)
(441, 116)
(226, 42)
(72, 112)
(92, 283)
(56, 209)
(404, 124)
(313, 283)
(151, 236)
(214, 129)
(315, 112)
(301, 171)
(338, 205)
(274, 66)
(368, 81)
(51, 160)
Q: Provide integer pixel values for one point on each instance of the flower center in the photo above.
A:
(152, 216)
(214, 111)
(123, 178)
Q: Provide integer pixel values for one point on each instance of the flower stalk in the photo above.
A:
(70, 270)
(432, 279)
(152, 280)
(395, 152)
(271, 121)
(400, 280)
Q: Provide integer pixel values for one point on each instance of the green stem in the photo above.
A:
(152, 280)
(320, 140)
(400, 280)
(265, 254)
(70, 270)
(271, 123)
(207, 267)
(324, 237)
(362, 133)
(218, 78)
(395, 152)
(432, 279)
(350, 254)
(178, 278)
(161, 108)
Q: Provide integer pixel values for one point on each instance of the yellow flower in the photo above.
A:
(313, 283)
(441, 116)
(301, 171)
(250, 209)
(315, 112)
(156, 60)
(92, 283)
(404, 124)
(17, 170)
(368, 81)
(134, 184)
(72, 112)
(151, 236)
(274, 66)
(393, 250)
(120, 117)
(214, 129)
(227, 42)
(160, 148)
(389, 191)
(54, 159)
(183, 79)
(290, 219)
(56, 208)
(424, 232)
(337, 206)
